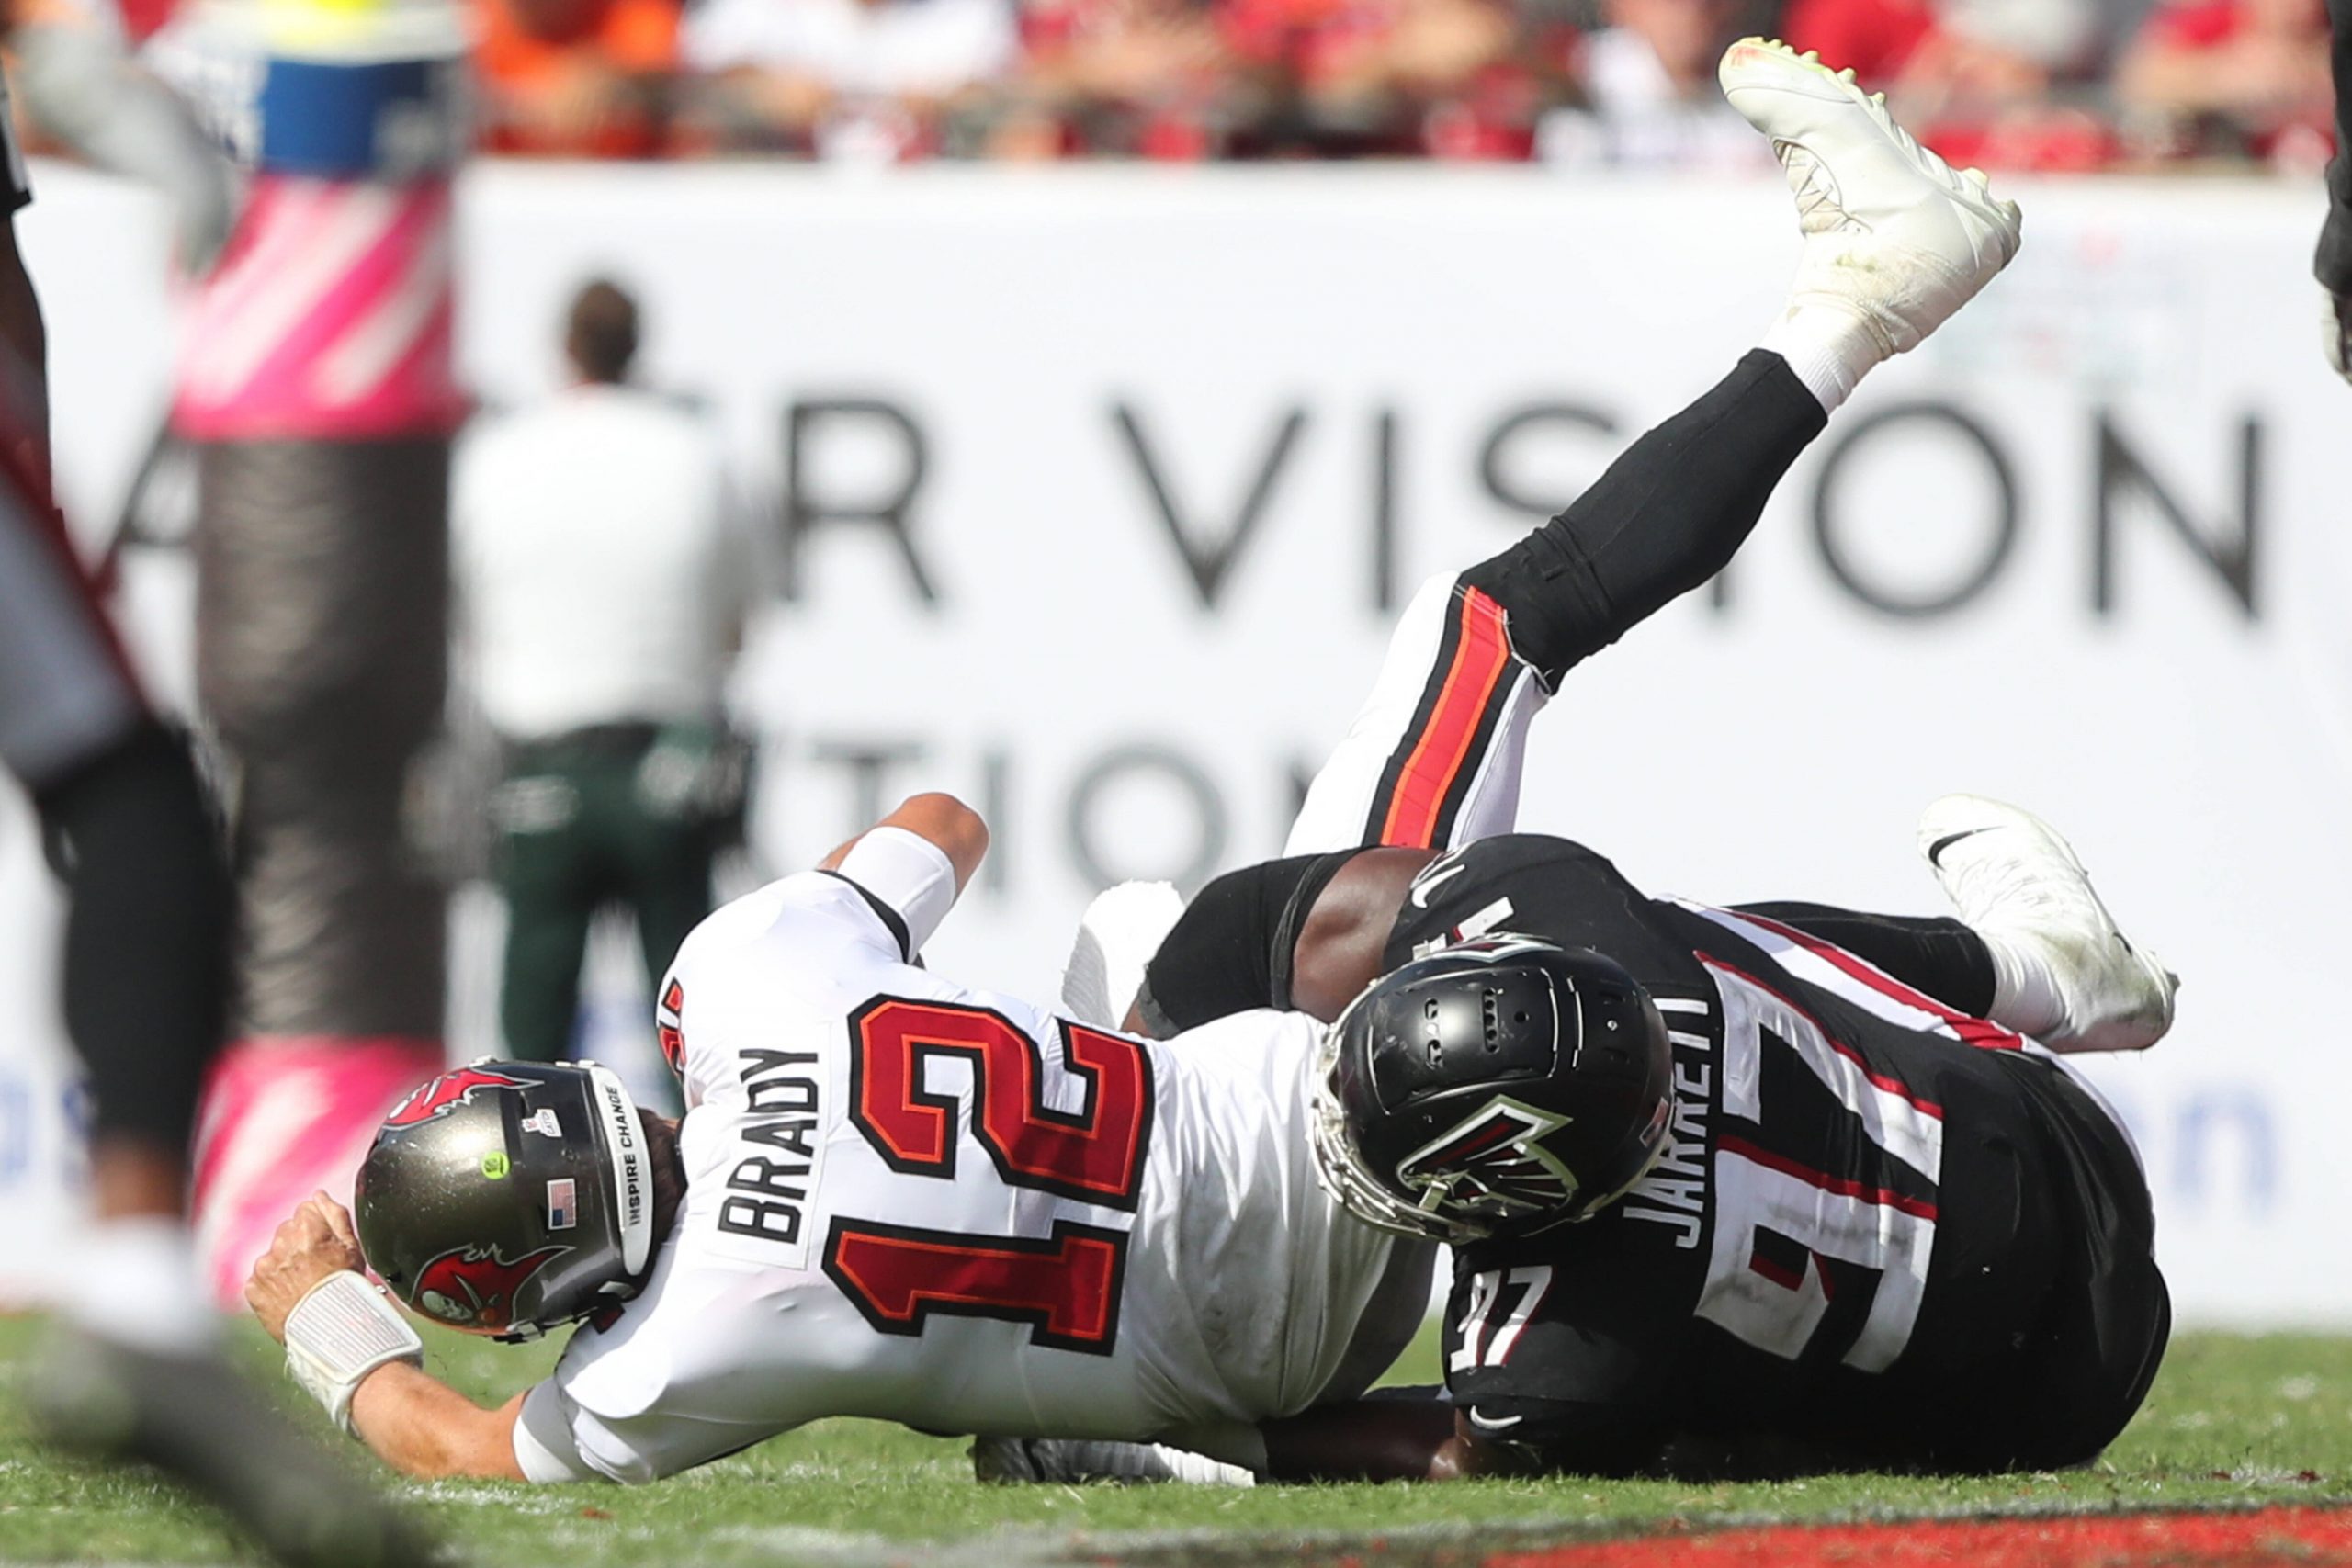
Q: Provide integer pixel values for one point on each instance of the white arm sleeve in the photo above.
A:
(557, 1441)
(909, 874)
(543, 1441)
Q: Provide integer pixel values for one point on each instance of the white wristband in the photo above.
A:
(338, 1333)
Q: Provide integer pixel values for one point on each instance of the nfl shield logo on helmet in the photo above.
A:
(1492, 1161)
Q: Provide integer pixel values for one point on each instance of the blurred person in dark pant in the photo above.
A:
(135, 1370)
(604, 580)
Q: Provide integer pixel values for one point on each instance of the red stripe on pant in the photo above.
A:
(1444, 751)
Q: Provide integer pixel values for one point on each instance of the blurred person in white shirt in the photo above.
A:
(605, 578)
(859, 80)
(1649, 80)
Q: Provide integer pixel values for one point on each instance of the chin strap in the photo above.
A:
(338, 1333)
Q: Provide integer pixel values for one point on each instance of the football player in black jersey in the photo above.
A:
(134, 1370)
(1714, 1177)
(1789, 1176)
(1786, 1177)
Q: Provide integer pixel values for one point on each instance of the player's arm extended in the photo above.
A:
(421, 1426)
(1534, 1437)
(1419, 1435)
(415, 1423)
(912, 866)
(1397, 1436)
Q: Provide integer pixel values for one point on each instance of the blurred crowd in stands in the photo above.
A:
(2042, 84)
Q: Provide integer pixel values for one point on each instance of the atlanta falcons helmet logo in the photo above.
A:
(1492, 1162)
(446, 1092)
(473, 1287)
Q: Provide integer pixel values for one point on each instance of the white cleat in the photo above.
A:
(1893, 235)
(2018, 885)
(1065, 1460)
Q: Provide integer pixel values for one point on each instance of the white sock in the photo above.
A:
(2026, 995)
(1829, 350)
(135, 1281)
(1082, 1460)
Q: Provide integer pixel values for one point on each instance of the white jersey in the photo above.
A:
(912, 1200)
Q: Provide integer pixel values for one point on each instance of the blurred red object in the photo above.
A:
(2234, 77)
(1876, 38)
(2050, 142)
(1493, 120)
(1316, 39)
(576, 77)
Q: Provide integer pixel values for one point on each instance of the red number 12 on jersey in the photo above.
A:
(1066, 1286)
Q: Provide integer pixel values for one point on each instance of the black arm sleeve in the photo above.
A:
(1669, 514)
(1231, 951)
(2333, 264)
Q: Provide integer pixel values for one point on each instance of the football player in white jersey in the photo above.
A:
(898, 1197)
(891, 1196)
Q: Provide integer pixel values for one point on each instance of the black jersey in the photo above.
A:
(1868, 1227)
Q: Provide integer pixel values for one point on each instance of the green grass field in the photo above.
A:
(2234, 1422)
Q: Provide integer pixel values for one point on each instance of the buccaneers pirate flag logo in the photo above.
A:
(445, 1093)
(473, 1287)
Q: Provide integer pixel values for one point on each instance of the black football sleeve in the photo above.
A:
(1669, 514)
(1231, 950)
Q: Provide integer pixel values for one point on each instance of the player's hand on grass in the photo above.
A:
(315, 1241)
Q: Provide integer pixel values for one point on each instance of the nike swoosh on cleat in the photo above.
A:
(1495, 1424)
(1936, 850)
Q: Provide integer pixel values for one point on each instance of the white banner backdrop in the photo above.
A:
(1093, 491)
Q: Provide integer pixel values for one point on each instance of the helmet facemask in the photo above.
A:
(1499, 1115)
(1340, 1165)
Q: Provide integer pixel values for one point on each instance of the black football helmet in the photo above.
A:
(1492, 1088)
(510, 1196)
